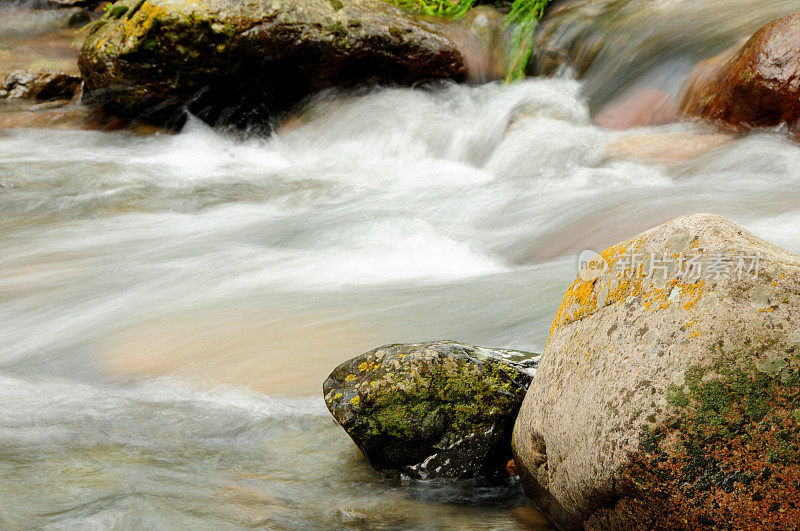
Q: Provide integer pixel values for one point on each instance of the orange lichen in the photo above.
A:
(583, 297)
(690, 293)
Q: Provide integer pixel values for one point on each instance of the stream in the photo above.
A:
(170, 304)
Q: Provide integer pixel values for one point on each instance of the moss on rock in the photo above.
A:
(663, 394)
(728, 456)
(440, 409)
(244, 62)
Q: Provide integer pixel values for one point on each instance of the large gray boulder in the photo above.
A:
(243, 61)
(427, 410)
(668, 395)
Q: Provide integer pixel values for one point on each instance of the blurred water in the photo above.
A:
(619, 45)
(170, 304)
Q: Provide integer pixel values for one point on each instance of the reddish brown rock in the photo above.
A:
(640, 107)
(702, 76)
(758, 86)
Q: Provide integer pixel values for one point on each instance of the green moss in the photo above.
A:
(97, 25)
(725, 401)
(136, 8)
(338, 30)
(117, 11)
(468, 399)
(676, 396)
(650, 439)
(436, 8)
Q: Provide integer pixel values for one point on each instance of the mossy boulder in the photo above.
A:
(427, 410)
(668, 392)
(244, 61)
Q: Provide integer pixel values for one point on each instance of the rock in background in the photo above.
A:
(40, 85)
(237, 62)
(755, 86)
(439, 409)
(670, 400)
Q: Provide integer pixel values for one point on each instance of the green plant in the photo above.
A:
(521, 20)
(437, 8)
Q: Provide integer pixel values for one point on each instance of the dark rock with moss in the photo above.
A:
(242, 62)
(668, 396)
(427, 410)
(40, 85)
(73, 3)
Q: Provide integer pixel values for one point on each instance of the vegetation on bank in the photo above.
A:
(521, 21)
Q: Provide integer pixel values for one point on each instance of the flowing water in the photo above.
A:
(171, 303)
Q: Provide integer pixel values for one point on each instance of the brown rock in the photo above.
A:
(41, 85)
(759, 86)
(511, 468)
(702, 76)
(668, 149)
(640, 107)
(245, 62)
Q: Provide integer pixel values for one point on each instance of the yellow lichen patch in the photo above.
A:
(659, 297)
(691, 293)
(355, 401)
(580, 293)
(337, 396)
(350, 378)
(144, 19)
(362, 366)
(581, 297)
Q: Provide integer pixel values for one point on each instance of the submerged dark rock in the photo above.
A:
(243, 62)
(438, 409)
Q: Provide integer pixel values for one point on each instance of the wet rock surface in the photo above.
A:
(667, 393)
(755, 87)
(40, 85)
(427, 410)
(236, 62)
